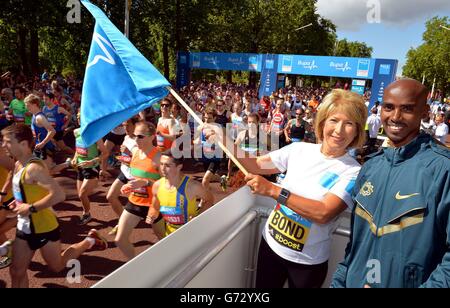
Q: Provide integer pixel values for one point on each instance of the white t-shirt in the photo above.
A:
(374, 124)
(130, 144)
(311, 175)
(441, 132)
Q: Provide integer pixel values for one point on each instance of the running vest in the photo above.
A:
(162, 142)
(208, 149)
(143, 169)
(175, 208)
(250, 145)
(277, 122)
(297, 133)
(56, 119)
(39, 132)
(3, 117)
(36, 223)
(3, 176)
(222, 119)
(84, 153)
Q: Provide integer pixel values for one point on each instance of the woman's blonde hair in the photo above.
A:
(349, 103)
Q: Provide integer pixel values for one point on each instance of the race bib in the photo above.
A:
(141, 192)
(288, 228)
(82, 151)
(173, 215)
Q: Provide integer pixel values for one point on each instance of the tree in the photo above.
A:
(352, 49)
(432, 58)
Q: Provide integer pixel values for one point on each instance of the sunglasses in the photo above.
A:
(165, 105)
(140, 136)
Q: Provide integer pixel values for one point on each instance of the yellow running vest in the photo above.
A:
(44, 220)
(175, 208)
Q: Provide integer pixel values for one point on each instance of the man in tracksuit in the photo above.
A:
(400, 223)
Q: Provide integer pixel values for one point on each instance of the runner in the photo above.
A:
(43, 133)
(86, 161)
(210, 156)
(174, 197)
(166, 133)
(6, 197)
(59, 118)
(35, 192)
(124, 176)
(145, 170)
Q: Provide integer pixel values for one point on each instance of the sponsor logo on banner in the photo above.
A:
(363, 68)
(253, 63)
(195, 60)
(308, 65)
(270, 64)
(340, 66)
(235, 61)
(287, 64)
(211, 60)
(385, 69)
(182, 59)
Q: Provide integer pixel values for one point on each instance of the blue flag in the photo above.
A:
(118, 83)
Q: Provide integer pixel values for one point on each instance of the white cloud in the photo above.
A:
(352, 14)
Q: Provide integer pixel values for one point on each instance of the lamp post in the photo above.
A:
(127, 17)
(302, 27)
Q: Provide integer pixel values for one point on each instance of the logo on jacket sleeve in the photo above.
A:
(366, 189)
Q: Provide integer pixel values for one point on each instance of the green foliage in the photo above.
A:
(353, 49)
(431, 59)
(36, 34)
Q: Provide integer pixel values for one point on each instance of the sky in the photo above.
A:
(390, 27)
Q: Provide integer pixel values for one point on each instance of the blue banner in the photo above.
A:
(358, 86)
(384, 74)
(268, 81)
(183, 70)
(226, 61)
(345, 67)
(118, 83)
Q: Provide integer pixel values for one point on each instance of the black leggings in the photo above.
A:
(273, 270)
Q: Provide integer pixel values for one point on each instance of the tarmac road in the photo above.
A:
(95, 265)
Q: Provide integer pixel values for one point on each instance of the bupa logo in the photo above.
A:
(341, 66)
(236, 61)
(308, 65)
(106, 56)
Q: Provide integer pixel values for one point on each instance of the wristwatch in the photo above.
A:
(32, 209)
(283, 196)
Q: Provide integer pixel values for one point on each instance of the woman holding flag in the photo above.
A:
(319, 179)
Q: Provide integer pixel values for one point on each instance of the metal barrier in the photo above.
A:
(206, 256)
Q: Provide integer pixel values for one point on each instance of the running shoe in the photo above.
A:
(100, 242)
(113, 230)
(224, 182)
(6, 260)
(84, 219)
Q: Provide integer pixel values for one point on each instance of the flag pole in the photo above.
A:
(199, 121)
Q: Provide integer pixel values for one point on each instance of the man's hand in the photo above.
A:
(39, 146)
(135, 184)
(125, 189)
(22, 209)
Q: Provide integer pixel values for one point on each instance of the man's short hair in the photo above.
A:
(20, 132)
(33, 99)
(177, 161)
